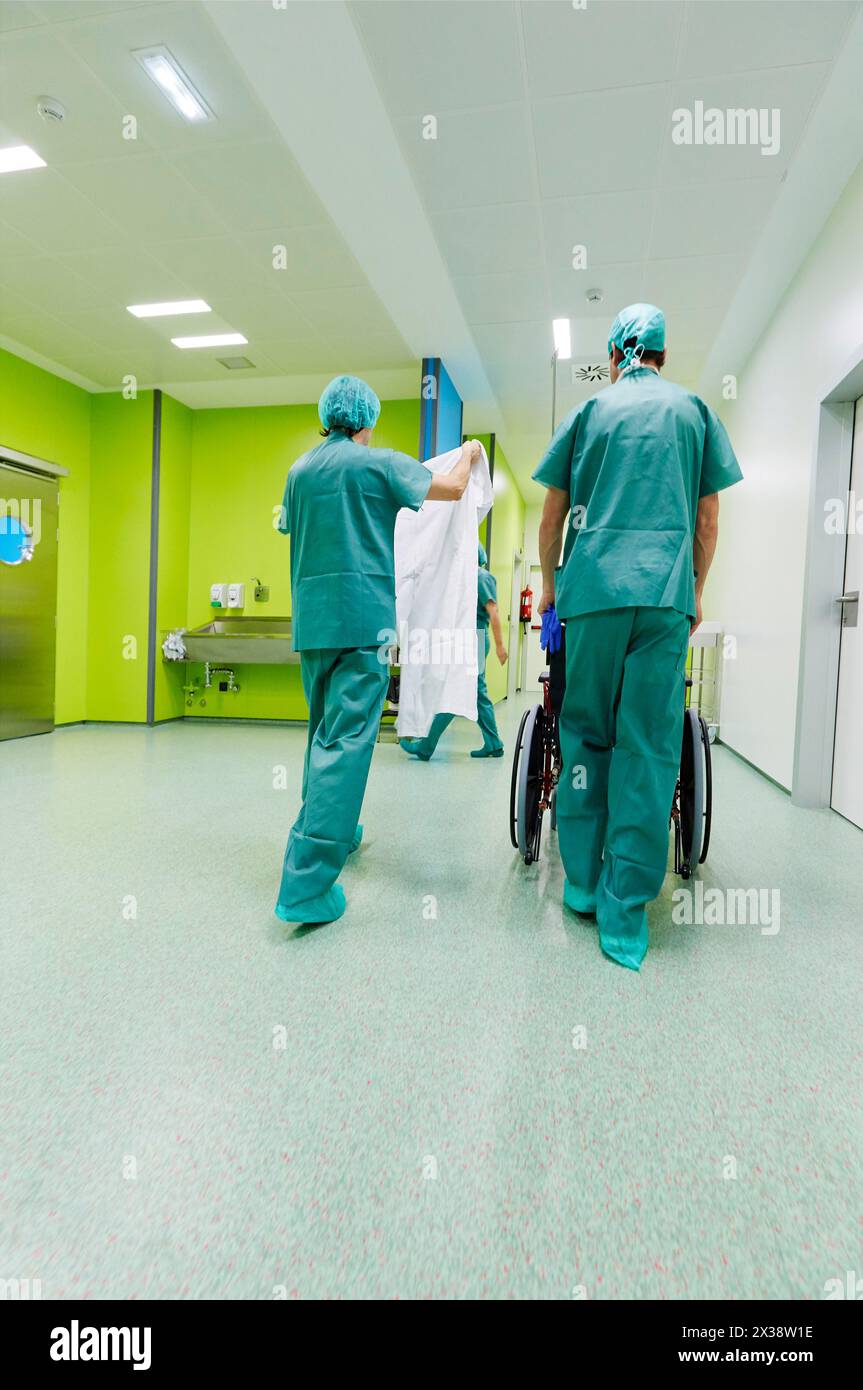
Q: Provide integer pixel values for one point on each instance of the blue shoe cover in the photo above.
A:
(326, 908)
(577, 900)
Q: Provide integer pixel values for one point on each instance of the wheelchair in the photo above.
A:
(536, 770)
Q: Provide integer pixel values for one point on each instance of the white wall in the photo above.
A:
(532, 517)
(756, 586)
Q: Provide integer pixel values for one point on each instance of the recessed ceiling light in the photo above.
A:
(170, 306)
(211, 340)
(15, 157)
(562, 340)
(160, 64)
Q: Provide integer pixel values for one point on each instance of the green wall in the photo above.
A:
(43, 415)
(507, 536)
(120, 494)
(222, 475)
(240, 460)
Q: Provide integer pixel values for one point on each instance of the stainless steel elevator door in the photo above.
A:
(28, 608)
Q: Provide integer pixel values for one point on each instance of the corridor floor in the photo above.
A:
(449, 1093)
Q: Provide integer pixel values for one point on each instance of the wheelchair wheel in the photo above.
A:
(708, 789)
(694, 795)
(525, 817)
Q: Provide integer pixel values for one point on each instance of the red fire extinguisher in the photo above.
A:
(525, 607)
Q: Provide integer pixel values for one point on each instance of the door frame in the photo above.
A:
(821, 628)
(513, 675)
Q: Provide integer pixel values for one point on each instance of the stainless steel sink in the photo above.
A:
(239, 640)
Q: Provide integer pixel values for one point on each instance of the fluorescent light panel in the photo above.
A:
(170, 306)
(211, 340)
(562, 339)
(160, 64)
(16, 157)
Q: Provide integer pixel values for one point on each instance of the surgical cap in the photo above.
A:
(643, 322)
(483, 558)
(348, 404)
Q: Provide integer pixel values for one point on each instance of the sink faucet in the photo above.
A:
(210, 671)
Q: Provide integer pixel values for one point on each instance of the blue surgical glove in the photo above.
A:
(549, 637)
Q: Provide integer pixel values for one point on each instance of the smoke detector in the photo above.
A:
(50, 109)
(594, 296)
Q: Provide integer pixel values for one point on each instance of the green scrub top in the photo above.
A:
(339, 508)
(486, 592)
(635, 459)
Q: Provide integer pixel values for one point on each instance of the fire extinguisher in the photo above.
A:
(525, 607)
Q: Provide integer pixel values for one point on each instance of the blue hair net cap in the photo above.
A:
(348, 404)
(645, 323)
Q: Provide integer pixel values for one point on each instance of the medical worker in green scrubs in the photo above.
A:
(339, 509)
(637, 469)
(487, 612)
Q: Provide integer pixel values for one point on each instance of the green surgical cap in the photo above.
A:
(348, 404)
(645, 323)
(483, 558)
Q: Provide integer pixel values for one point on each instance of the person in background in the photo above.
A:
(487, 613)
(637, 468)
(339, 508)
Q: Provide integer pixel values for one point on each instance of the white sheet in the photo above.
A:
(436, 600)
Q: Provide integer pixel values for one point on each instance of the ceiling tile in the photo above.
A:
(300, 358)
(613, 227)
(496, 298)
(691, 282)
(478, 157)
(791, 91)
(514, 342)
(145, 196)
(210, 267)
(352, 308)
(429, 61)
(622, 44)
(723, 38)
(315, 257)
(15, 14)
(711, 218)
(46, 208)
(600, 142)
(255, 184)
(115, 277)
(501, 237)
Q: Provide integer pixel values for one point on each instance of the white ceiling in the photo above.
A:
(554, 129)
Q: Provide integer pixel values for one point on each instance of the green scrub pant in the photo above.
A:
(484, 708)
(621, 727)
(345, 690)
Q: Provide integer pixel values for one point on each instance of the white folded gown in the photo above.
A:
(436, 601)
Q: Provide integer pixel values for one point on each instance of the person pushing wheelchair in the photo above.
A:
(637, 469)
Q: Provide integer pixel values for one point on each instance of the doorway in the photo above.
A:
(828, 751)
(513, 675)
(847, 790)
(28, 602)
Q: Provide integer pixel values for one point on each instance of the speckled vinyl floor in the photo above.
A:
(450, 1093)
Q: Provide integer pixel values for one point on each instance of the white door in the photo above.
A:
(535, 662)
(514, 664)
(847, 797)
